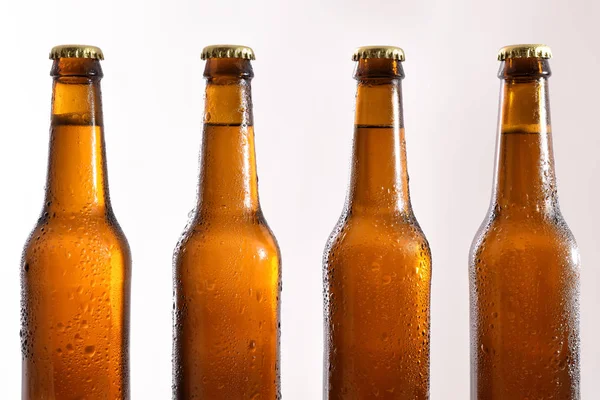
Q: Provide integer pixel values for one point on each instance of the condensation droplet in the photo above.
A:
(90, 350)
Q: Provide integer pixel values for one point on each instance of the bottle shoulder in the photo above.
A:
(380, 233)
(100, 236)
(225, 236)
(97, 226)
(524, 234)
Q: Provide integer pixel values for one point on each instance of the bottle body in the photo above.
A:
(524, 262)
(377, 264)
(227, 311)
(75, 301)
(76, 265)
(227, 266)
(377, 310)
(524, 315)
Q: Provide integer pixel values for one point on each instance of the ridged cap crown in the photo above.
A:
(387, 52)
(227, 51)
(76, 51)
(524, 51)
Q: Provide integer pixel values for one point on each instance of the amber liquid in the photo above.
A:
(75, 279)
(524, 283)
(227, 281)
(377, 270)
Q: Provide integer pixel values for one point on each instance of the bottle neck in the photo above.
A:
(525, 179)
(76, 181)
(228, 179)
(379, 177)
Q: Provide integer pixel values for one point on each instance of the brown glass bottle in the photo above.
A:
(76, 265)
(524, 263)
(377, 264)
(227, 264)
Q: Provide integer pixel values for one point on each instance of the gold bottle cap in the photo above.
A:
(524, 51)
(389, 52)
(76, 51)
(227, 51)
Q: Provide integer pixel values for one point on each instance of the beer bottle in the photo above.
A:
(524, 263)
(227, 265)
(76, 266)
(377, 263)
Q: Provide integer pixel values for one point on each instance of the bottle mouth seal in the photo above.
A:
(524, 51)
(227, 51)
(382, 52)
(76, 51)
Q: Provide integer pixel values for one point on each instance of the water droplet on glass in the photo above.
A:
(90, 350)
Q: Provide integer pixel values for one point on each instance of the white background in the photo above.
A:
(303, 96)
